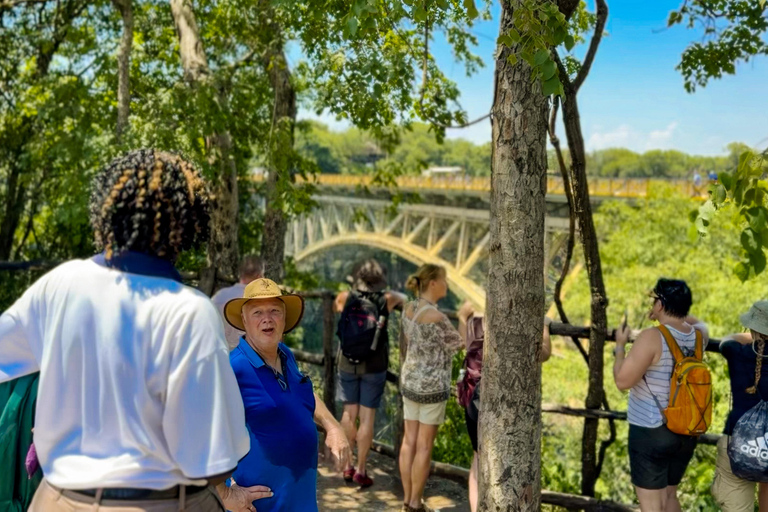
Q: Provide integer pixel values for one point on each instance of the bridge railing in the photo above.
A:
(598, 187)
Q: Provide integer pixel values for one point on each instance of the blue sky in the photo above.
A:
(634, 96)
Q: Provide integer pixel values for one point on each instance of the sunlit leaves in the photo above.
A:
(538, 27)
(734, 32)
(744, 191)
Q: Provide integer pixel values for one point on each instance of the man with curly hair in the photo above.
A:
(138, 407)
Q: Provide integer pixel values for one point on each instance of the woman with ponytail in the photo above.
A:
(425, 378)
(745, 353)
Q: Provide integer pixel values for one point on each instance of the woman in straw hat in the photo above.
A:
(281, 408)
(744, 353)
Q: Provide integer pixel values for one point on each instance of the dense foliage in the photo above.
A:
(353, 151)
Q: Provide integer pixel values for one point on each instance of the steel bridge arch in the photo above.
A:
(460, 284)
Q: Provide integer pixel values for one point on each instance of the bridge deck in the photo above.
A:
(386, 495)
(598, 187)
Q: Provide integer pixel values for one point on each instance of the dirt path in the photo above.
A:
(386, 495)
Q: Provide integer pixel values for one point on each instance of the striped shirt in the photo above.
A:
(642, 410)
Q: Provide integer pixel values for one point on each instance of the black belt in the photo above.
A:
(127, 493)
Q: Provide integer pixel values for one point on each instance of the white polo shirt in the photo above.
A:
(136, 389)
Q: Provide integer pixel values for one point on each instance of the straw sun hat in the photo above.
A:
(757, 317)
(265, 289)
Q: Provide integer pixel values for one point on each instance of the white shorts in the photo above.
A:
(428, 414)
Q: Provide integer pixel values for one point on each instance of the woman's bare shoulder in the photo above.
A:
(432, 316)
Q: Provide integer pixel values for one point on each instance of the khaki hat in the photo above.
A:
(757, 317)
(265, 289)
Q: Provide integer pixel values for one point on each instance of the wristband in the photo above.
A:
(617, 349)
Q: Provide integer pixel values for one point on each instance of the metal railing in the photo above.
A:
(598, 187)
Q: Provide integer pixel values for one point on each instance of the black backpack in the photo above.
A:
(748, 445)
(358, 326)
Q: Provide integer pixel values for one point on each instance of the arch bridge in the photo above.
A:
(454, 237)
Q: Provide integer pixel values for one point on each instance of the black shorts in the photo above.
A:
(471, 429)
(658, 457)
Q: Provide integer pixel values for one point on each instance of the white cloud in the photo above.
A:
(620, 137)
(661, 139)
(625, 136)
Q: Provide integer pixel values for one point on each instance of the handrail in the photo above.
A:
(598, 187)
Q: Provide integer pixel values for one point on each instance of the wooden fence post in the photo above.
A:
(329, 357)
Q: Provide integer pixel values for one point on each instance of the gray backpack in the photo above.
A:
(748, 445)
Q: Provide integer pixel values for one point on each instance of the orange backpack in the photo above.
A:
(690, 390)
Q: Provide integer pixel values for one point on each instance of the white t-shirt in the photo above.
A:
(220, 299)
(135, 390)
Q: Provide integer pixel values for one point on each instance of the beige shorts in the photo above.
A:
(51, 499)
(731, 492)
(428, 414)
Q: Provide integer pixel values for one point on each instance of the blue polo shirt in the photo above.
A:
(282, 431)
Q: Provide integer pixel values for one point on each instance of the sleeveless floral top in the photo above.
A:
(426, 373)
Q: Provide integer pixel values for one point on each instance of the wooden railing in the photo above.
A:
(574, 502)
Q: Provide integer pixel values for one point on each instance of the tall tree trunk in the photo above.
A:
(591, 462)
(223, 244)
(125, 8)
(280, 149)
(510, 419)
(599, 302)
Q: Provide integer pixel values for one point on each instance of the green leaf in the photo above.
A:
(559, 35)
(757, 259)
(742, 271)
(512, 59)
(569, 42)
(720, 195)
(420, 13)
(726, 179)
(506, 40)
(758, 218)
(674, 18)
(472, 12)
(541, 57)
(751, 241)
(514, 35)
(352, 24)
(551, 86)
(707, 210)
(548, 70)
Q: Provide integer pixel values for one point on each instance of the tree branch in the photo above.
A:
(564, 78)
(602, 16)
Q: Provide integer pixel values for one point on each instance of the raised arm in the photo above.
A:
(546, 343)
(629, 369)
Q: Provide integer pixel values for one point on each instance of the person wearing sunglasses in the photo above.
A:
(281, 409)
(658, 457)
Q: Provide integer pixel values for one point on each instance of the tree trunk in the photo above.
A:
(222, 260)
(510, 419)
(599, 301)
(125, 8)
(16, 140)
(15, 199)
(279, 162)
